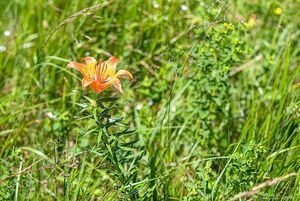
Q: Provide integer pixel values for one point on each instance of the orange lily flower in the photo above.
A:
(99, 76)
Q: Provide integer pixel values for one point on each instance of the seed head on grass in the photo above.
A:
(100, 75)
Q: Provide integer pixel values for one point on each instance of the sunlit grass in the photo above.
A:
(213, 109)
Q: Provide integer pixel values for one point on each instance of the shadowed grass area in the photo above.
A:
(212, 113)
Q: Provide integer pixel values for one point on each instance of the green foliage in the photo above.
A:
(118, 156)
(224, 49)
(241, 174)
(213, 109)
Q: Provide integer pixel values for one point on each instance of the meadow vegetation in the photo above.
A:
(213, 109)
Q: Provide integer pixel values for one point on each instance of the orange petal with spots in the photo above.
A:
(86, 81)
(100, 70)
(99, 87)
(111, 65)
(90, 63)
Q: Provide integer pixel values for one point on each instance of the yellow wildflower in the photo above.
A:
(251, 21)
(277, 11)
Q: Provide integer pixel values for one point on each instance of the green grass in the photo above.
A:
(213, 109)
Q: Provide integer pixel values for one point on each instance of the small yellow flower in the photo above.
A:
(251, 21)
(277, 11)
(228, 26)
(193, 192)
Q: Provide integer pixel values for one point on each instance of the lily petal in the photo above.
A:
(89, 60)
(101, 69)
(111, 65)
(107, 68)
(90, 63)
(78, 66)
(99, 86)
(86, 81)
(124, 73)
(117, 85)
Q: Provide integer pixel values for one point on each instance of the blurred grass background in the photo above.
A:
(214, 103)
